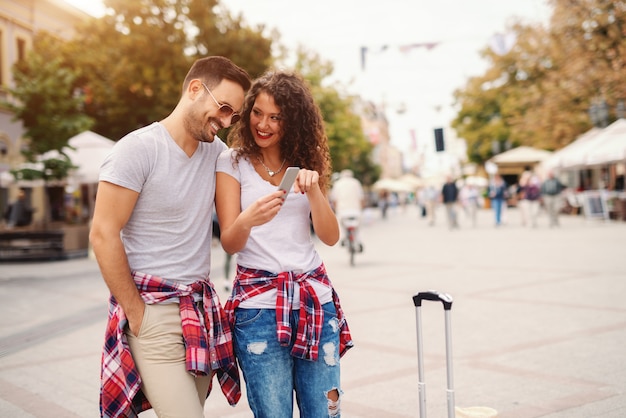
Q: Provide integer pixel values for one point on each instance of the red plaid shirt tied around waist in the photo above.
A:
(207, 337)
(253, 282)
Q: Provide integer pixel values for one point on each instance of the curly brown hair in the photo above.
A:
(304, 143)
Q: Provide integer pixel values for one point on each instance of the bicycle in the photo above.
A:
(350, 225)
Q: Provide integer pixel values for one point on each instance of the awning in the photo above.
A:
(88, 153)
(392, 185)
(611, 147)
(573, 154)
(520, 156)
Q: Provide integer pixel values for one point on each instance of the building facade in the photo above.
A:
(376, 129)
(20, 20)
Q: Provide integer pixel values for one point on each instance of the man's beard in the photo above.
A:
(197, 129)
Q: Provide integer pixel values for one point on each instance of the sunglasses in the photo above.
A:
(224, 110)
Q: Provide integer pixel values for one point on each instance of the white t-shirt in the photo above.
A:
(169, 231)
(347, 194)
(282, 244)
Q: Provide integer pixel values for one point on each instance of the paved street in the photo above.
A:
(538, 322)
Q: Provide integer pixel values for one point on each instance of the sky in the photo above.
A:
(418, 52)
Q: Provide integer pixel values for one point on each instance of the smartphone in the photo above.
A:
(290, 176)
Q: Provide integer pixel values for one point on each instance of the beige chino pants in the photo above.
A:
(159, 353)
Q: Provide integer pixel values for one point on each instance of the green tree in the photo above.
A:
(349, 147)
(479, 120)
(46, 99)
(591, 51)
(136, 56)
(539, 93)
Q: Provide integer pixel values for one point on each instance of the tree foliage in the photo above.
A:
(125, 70)
(47, 102)
(349, 147)
(539, 93)
(139, 53)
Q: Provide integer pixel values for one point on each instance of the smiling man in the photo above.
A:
(151, 235)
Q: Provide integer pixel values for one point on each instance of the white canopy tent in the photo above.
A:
(573, 155)
(412, 180)
(393, 185)
(516, 160)
(583, 158)
(521, 155)
(87, 151)
(595, 147)
(611, 147)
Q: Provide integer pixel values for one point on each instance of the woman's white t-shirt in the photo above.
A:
(283, 244)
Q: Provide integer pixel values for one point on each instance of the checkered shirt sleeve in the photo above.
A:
(208, 345)
(252, 282)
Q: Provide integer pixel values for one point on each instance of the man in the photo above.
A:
(551, 188)
(348, 200)
(449, 196)
(151, 235)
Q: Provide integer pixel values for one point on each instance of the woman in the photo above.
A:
(288, 327)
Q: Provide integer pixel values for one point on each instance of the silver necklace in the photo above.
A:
(270, 172)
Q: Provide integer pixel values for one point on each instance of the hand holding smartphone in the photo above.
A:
(290, 176)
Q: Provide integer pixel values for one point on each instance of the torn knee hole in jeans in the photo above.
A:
(329, 354)
(257, 347)
(333, 396)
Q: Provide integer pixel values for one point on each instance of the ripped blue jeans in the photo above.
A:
(272, 374)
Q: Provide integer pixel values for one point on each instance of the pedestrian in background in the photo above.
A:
(19, 213)
(551, 190)
(449, 197)
(470, 201)
(348, 200)
(431, 196)
(167, 334)
(383, 203)
(532, 194)
(421, 202)
(498, 193)
(288, 327)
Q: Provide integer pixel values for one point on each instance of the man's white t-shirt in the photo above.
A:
(169, 231)
(347, 195)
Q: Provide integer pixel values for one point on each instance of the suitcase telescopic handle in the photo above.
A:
(446, 300)
(435, 296)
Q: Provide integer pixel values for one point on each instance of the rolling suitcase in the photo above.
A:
(446, 300)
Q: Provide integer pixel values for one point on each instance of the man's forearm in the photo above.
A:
(116, 273)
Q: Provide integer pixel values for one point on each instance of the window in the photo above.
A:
(1, 58)
(21, 49)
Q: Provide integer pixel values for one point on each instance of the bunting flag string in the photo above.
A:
(402, 48)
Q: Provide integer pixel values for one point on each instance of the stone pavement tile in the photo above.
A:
(605, 407)
(58, 378)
